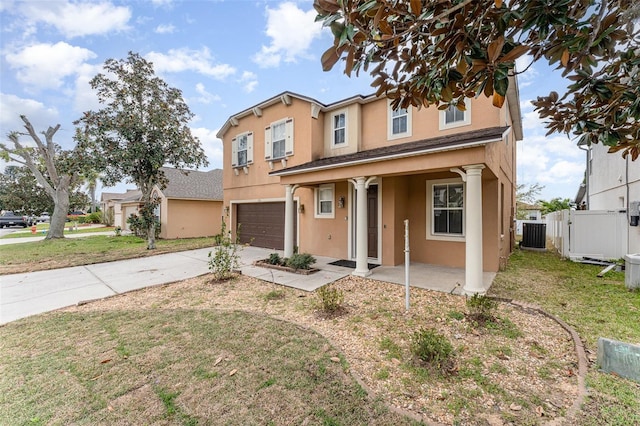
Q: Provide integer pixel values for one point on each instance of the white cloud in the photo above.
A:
(13, 107)
(200, 61)
(291, 31)
(79, 19)
(165, 29)
(46, 65)
(205, 97)
(211, 144)
(85, 98)
(249, 81)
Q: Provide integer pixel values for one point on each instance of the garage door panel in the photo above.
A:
(262, 224)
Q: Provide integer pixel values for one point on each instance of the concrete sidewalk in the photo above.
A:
(23, 295)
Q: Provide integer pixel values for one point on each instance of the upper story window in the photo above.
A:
(324, 196)
(445, 209)
(399, 125)
(278, 139)
(339, 128)
(455, 117)
(242, 150)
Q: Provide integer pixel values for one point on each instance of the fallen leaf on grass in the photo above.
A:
(232, 372)
(218, 361)
(515, 407)
(335, 359)
(540, 411)
(104, 361)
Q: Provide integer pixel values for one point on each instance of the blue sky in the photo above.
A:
(225, 56)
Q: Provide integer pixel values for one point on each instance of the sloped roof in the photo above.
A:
(424, 146)
(131, 194)
(193, 184)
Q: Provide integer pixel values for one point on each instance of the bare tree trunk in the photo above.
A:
(151, 236)
(60, 210)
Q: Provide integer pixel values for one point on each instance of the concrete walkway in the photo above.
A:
(23, 295)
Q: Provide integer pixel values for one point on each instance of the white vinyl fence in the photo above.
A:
(598, 234)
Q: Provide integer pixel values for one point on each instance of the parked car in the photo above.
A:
(44, 217)
(9, 218)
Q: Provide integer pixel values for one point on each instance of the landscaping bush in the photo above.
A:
(274, 259)
(482, 309)
(224, 259)
(95, 217)
(300, 261)
(330, 299)
(432, 348)
(138, 226)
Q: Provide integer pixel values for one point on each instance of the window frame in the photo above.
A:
(391, 118)
(283, 140)
(344, 129)
(318, 214)
(430, 210)
(235, 143)
(443, 125)
(245, 150)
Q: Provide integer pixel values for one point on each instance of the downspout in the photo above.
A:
(628, 203)
(587, 177)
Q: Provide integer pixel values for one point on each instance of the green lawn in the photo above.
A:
(48, 254)
(594, 307)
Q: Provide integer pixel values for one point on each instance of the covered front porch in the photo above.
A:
(431, 277)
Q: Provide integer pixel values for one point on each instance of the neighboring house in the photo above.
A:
(339, 180)
(191, 204)
(111, 205)
(612, 184)
(529, 211)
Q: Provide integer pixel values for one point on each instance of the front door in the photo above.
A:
(372, 221)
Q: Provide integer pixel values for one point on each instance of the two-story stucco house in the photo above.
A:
(339, 180)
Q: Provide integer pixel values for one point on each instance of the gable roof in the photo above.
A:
(193, 184)
(131, 194)
(408, 149)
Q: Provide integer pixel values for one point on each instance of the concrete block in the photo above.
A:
(619, 358)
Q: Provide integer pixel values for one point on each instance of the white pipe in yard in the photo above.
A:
(407, 262)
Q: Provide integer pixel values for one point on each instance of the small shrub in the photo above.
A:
(224, 259)
(331, 298)
(118, 231)
(95, 217)
(300, 261)
(274, 295)
(274, 259)
(432, 348)
(482, 308)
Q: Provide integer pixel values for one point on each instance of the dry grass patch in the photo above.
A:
(520, 369)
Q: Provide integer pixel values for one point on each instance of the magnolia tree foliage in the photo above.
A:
(424, 52)
(56, 170)
(142, 126)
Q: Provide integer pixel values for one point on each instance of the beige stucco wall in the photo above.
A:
(190, 218)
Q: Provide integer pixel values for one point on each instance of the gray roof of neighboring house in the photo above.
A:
(193, 184)
(131, 194)
(424, 146)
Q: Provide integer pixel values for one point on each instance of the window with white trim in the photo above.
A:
(242, 150)
(455, 117)
(278, 140)
(339, 129)
(445, 209)
(399, 125)
(324, 201)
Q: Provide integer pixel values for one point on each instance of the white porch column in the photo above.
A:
(473, 230)
(288, 219)
(362, 267)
